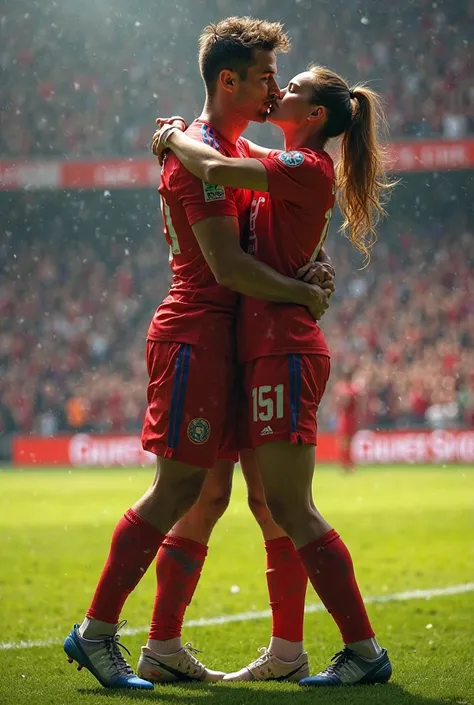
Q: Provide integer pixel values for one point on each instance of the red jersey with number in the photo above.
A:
(197, 309)
(288, 227)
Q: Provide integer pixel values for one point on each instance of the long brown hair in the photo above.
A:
(356, 114)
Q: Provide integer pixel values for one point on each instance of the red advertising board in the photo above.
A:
(144, 172)
(87, 450)
(368, 448)
(81, 450)
(411, 447)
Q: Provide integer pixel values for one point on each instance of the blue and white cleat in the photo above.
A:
(348, 668)
(103, 659)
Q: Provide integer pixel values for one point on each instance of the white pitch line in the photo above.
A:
(248, 616)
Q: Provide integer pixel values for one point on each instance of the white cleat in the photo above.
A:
(170, 668)
(270, 668)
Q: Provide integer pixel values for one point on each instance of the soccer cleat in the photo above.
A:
(169, 668)
(270, 668)
(348, 668)
(103, 659)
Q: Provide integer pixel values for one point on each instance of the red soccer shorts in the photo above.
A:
(282, 394)
(189, 394)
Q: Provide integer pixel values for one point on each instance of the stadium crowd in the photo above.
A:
(82, 280)
(87, 79)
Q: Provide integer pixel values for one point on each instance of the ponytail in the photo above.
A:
(361, 176)
(362, 183)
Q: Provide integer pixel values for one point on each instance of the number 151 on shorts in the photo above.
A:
(268, 402)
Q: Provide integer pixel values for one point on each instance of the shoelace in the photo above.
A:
(261, 660)
(189, 648)
(339, 659)
(116, 656)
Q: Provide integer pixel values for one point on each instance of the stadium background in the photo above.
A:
(83, 260)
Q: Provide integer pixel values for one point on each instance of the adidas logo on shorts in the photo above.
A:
(267, 431)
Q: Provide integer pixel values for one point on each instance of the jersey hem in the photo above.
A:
(296, 439)
(288, 351)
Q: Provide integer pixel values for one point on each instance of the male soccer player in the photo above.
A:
(285, 355)
(190, 348)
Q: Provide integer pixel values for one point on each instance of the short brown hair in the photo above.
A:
(230, 44)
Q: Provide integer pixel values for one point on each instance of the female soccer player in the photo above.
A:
(283, 351)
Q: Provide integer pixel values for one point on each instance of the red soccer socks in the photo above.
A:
(331, 572)
(133, 547)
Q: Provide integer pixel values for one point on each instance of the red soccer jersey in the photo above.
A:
(288, 226)
(197, 309)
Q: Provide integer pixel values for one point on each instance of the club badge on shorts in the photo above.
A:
(291, 158)
(199, 431)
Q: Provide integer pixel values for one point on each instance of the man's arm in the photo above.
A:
(216, 227)
(209, 165)
(233, 268)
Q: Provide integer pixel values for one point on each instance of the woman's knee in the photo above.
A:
(215, 495)
(169, 498)
(199, 521)
(187, 494)
(280, 510)
(216, 504)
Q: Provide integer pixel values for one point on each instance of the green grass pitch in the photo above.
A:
(408, 529)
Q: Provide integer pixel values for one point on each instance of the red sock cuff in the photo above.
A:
(322, 542)
(133, 518)
(193, 548)
(283, 543)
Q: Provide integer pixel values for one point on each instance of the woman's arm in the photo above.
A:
(209, 165)
(257, 151)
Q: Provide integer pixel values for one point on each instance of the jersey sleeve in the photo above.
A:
(199, 199)
(295, 176)
(243, 147)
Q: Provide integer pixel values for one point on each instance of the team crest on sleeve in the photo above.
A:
(199, 431)
(212, 192)
(291, 158)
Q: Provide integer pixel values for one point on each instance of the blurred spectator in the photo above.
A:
(83, 273)
(88, 79)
